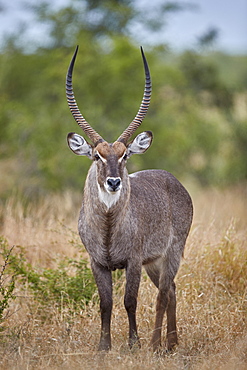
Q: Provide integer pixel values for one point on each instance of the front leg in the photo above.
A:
(133, 277)
(103, 280)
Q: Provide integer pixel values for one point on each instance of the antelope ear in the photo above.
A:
(78, 145)
(140, 144)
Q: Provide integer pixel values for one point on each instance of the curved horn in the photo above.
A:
(89, 131)
(143, 107)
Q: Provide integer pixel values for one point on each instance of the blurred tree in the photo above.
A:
(195, 132)
(104, 19)
(208, 38)
(100, 18)
(204, 80)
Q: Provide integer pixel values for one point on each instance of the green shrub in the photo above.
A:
(7, 285)
(70, 284)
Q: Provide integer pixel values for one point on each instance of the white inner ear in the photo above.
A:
(143, 140)
(140, 144)
(79, 145)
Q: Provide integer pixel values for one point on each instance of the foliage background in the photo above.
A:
(198, 110)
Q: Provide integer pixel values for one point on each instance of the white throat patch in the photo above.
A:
(109, 199)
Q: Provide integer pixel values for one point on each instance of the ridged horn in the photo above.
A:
(89, 131)
(133, 126)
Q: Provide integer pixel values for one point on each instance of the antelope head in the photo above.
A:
(110, 158)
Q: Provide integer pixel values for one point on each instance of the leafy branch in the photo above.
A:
(6, 287)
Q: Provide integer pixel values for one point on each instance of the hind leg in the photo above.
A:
(162, 273)
(156, 271)
(172, 338)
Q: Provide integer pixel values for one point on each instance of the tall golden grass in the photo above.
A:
(211, 293)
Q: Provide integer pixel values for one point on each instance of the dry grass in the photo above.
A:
(211, 292)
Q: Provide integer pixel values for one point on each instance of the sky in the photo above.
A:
(228, 16)
(181, 31)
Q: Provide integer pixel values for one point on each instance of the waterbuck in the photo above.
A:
(129, 221)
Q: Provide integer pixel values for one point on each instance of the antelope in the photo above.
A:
(129, 221)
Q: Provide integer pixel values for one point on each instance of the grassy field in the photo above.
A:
(211, 293)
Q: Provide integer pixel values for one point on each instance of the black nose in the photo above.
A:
(113, 183)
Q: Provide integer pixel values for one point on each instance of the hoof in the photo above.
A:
(106, 347)
(172, 341)
(134, 344)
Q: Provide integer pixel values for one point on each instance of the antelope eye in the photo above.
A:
(125, 156)
(96, 157)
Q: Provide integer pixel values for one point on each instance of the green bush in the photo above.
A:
(70, 284)
(7, 284)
